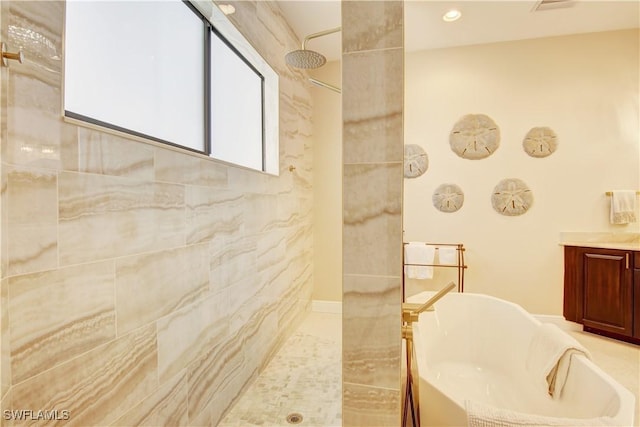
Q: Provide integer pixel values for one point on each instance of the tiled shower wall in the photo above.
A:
(372, 111)
(142, 285)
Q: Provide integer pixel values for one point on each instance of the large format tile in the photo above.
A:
(32, 221)
(187, 334)
(98, 213)
(372, 342)
(372, 106)
(167, 406)
(155, 284)
(181, 168)
(211, 214)
(370, 25)
(150, 344)
(107, 154)
(97, 387)
(372, 219)
(5, 353)
(365, 406)
(59, 314)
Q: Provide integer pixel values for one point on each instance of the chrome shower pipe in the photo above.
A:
(325, 85)
(319, 34)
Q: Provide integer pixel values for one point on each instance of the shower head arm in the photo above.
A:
(319, 34)
(325, 85)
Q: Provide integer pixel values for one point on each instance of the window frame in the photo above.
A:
(215, 23)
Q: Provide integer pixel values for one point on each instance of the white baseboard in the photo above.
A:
(322, 306)
(559, 321)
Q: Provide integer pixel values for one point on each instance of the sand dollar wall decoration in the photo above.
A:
(416, 161)
(475, 136)
(448, 198)
(511, 197)
(540, 142)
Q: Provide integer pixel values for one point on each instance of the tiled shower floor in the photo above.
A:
(304, 377)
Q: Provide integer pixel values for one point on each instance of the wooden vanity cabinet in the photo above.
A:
(636, 295)
(602, 292)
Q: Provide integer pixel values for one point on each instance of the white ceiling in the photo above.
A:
(481, 22)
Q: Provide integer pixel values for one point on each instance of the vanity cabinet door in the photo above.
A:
(608, 291)
(636, 298)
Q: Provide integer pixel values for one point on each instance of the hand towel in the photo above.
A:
(483, 415)
(448, 255)
(549, 356)
(623, 207)
(419, 253)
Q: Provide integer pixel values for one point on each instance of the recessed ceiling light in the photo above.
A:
(451, 15)
(227, 9)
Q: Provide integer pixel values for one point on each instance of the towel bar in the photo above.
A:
(459, 265)
(610, 193)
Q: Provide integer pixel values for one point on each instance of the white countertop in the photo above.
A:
(605, 240)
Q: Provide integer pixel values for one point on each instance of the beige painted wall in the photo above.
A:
(585, 87)
(327, 185)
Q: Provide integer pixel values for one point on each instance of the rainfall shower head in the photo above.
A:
(304, 58)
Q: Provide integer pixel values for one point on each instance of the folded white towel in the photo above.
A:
(448, 255)
(483, 415)
(549, 356)
(623, 207)
(418, 254)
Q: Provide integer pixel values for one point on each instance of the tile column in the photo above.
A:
(372, 110)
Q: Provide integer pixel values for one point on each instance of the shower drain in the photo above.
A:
(294, 418)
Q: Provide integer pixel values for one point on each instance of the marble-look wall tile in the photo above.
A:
(59, 314)
(108, 154)
(32, 221)
(372, 219)
(372, 106)
(38, 29)
(34, 94)
(98, 387)
(187, 334)
(32, 100)
(372, 344)
(155, 284)
(4, 211)
(5, 353)
(5, 405)
(213, 214)
(271, 250)
(365, 406)
(223, 367)
(208, 264)
(372, 25)
(372, 100)
(97, 213)
(165, 407)
(181, 168)
(260, 212)
(232, 259)
(246, 181)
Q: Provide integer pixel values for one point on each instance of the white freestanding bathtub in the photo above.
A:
(474, 347)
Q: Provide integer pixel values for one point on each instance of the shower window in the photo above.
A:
(162, 71)
(136, 67)
(236, 106)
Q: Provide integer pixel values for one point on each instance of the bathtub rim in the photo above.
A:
(627, 401)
